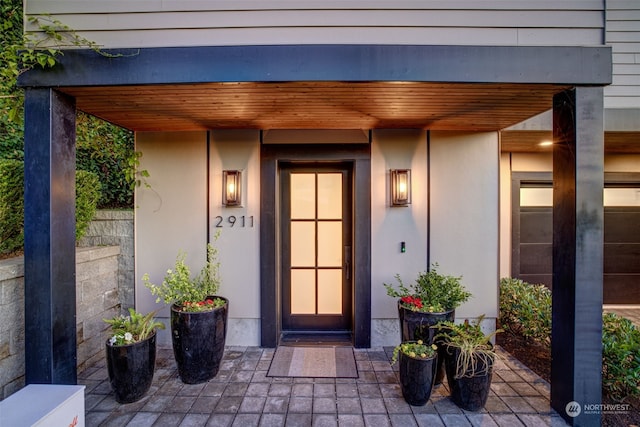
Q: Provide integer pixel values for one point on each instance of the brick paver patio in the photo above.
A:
(242, 395)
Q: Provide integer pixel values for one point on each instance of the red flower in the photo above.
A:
(410, 300)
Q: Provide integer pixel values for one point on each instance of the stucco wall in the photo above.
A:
(96, 298)
(464, 218)
(172, 216)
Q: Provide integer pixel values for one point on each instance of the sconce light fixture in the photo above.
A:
(231, 187)
(400, 187)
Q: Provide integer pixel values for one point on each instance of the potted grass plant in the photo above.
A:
(198, 316)
(469, 360)
(131, 354)
(431, 299)
(417, 369)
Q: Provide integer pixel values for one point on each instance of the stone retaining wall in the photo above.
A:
(115, 227)
(96, 298)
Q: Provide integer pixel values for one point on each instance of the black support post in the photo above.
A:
(49, 238)
(578, 181)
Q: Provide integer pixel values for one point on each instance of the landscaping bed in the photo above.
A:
(525, 315)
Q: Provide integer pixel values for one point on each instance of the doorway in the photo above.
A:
(276, 162)
(316, 251)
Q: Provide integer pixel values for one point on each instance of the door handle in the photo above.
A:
(347, 262)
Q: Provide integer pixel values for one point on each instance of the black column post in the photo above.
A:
(49, 237)
(578, 181)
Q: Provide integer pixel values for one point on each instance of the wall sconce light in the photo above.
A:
(231, 187)
(400, 187)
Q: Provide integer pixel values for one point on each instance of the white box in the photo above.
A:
(44, 405)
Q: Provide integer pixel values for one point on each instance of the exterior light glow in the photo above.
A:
(546, 144)
(400, 187)
(231, 187)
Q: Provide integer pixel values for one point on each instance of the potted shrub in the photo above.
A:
(431, 299)
(469, 358)
(131, 354)
(417, 369)
(198, 317)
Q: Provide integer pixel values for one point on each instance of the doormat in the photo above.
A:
(313, 362)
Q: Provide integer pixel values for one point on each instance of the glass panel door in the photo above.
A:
(316, 274)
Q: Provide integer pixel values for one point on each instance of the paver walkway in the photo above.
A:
(242, 395)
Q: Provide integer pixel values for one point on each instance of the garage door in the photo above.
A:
(532, 236)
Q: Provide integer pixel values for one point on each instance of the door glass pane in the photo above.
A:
(303, 196)
(330, 196)
(303, 244)
(330, 291)
(531, 196)
(622, 196)
(303, 291)
(330, 244)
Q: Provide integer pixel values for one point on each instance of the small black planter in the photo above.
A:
(198, 342)
(416, 325)
(131, 368)
(417, 378)
(469, 392)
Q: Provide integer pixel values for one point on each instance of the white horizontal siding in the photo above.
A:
(152, 23)
(623, 35)
(130, 6)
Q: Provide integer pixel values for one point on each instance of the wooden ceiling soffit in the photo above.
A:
(316, 105)
(529, 142)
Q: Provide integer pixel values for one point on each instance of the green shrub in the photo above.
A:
(107, 151)
(525, 309)
(11, 206)
(620, 357)
(87, 197)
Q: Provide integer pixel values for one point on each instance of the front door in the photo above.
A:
(316, 242)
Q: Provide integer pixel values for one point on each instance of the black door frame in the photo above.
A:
(271, 156)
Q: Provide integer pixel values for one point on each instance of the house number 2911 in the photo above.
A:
(232, 221)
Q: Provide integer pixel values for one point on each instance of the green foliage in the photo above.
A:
(11, 206)
(178, 287)
(132, 328)
(476, 351)
(435, 292)
(11, 97)
(415, 349)
(87, 196)
(103, 148)
(620, 357)
(108, 151)
(525, 309)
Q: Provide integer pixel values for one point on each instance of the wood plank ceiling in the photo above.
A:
(315, 105)
(326, 105)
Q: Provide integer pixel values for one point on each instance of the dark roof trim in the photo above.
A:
(353, 63)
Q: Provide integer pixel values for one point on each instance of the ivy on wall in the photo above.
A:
(102, 148)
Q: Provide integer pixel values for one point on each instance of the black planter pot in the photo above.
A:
(131, 368)
(417, 378)
(469, 392)
(198, 342)
(415, 325)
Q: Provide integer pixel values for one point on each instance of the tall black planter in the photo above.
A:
(131, 368)
(469, 392)
(198, 342)
(417, 378)
(416, 325)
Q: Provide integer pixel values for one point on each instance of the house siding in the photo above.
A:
(623, 35)
(123, 24)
